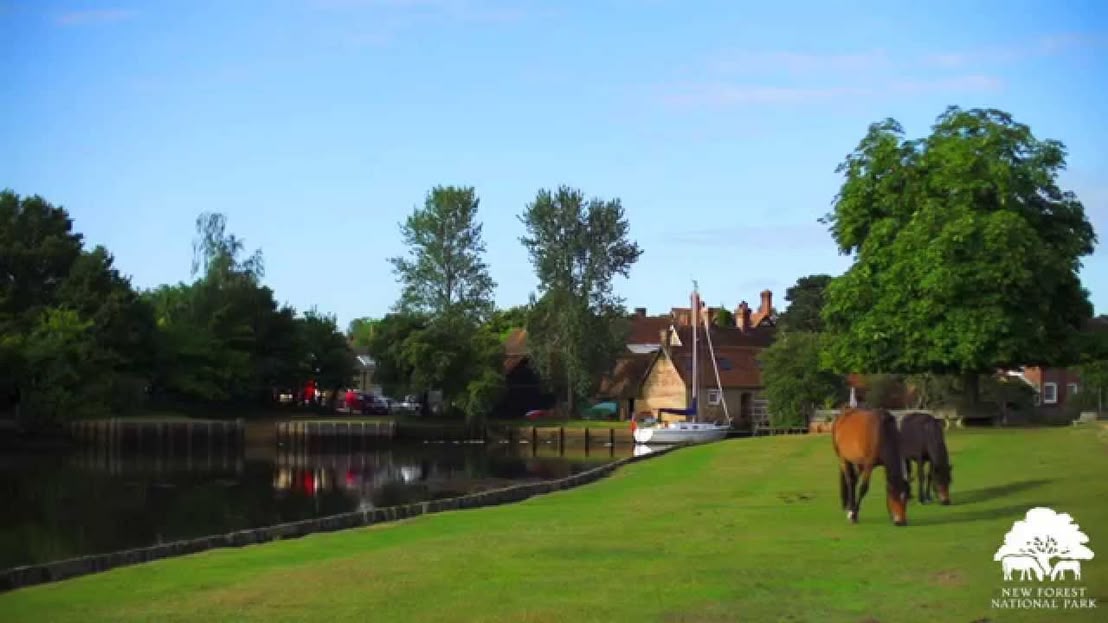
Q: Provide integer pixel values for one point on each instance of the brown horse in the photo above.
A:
(864, 439)
(921, 441)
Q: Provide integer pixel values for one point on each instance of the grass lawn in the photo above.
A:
(744, 529)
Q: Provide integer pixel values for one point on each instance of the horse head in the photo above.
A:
(943, 478)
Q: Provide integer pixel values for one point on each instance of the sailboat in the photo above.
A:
(691, 430)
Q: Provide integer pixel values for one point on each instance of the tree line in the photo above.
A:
(966, 255)
(444, 331)
(77, 340)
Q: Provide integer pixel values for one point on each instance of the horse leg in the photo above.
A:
(846, 486)
(930, 481)
(924, 482)
(867, 470)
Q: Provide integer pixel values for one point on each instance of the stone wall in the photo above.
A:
(51, 572)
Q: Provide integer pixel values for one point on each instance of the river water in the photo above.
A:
(65, 505)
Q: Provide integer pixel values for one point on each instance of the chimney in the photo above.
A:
(707, 314)
(640, 312)
(742, 317)
(767, 303)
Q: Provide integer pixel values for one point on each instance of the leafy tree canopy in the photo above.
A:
(577, 247)
(806, 300)
(724, 317)
(445, 273)
(966, 251)
(360, 331)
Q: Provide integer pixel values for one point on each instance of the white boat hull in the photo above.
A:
(681, 432)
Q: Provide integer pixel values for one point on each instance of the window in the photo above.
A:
(1071, 390)
(714, 396)
(1050, 393)
(724, 363)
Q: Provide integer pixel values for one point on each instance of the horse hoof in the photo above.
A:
(902, 522)
(946, 502)
(852, 516)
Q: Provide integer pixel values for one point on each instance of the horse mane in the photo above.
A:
(896, 480)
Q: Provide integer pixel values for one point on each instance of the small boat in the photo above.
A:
(691, 430)
(680, 432)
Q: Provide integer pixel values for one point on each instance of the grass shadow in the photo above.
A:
(1013, 512)
(976, 496)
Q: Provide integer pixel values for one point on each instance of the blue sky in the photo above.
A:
(317, 125)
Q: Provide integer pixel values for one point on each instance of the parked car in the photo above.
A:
(410, 404)
(373, 405)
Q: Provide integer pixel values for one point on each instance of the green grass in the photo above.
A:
(745, 529)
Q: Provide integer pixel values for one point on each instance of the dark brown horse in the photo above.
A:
(921, 442)
(864, 439)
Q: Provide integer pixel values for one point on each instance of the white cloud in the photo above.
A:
(92, 16)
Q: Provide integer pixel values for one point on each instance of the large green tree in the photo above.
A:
(75, 340)
(577, 325)
(446, 297)
(966, 251)
(806, 300)
(445, 272)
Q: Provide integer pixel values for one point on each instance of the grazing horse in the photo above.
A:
(921, 441)
(1024, 564)
(864, 439)
(1063, 566)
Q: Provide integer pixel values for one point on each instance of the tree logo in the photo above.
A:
(1041, 536)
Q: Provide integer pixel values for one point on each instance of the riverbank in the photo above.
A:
(741, 529)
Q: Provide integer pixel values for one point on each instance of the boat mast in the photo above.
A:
(695, 367)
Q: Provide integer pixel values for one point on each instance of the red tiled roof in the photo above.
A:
(511, 361)
(648, 329)
(624, 380)
(738, 366)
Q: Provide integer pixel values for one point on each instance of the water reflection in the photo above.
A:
(93, 501)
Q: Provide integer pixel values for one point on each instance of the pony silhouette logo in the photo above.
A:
(1041, 536)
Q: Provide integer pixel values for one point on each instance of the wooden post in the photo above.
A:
(586, 441)
(534, 435)
(561, 441)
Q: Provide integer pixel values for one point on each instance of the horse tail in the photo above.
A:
(936, 447)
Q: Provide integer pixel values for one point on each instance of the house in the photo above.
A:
(523, 387)
(655, 342)
(646, 331)
(1055, 388)
(364, 369)
(665, 380)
